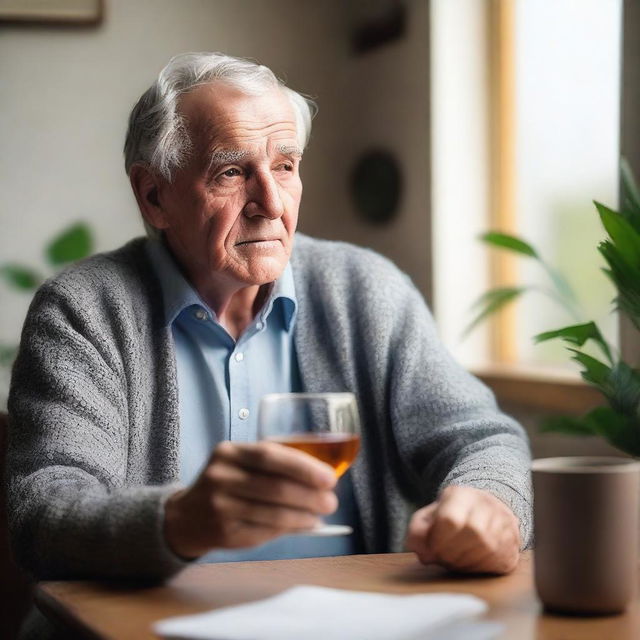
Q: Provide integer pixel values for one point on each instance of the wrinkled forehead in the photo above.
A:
(217, 113)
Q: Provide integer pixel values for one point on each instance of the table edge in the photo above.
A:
(61, 618)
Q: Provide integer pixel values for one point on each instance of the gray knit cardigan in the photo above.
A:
(94, 434)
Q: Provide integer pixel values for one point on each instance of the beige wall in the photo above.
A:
(382, 100)
(65, 94)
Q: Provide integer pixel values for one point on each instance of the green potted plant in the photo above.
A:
(73, 243)
(617, 421)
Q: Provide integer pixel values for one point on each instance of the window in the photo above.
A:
(525, 114)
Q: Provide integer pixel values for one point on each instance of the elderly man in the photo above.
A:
(134, 396)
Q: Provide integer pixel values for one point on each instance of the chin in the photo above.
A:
(265, 273)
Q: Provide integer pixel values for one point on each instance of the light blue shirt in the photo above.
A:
(220, 383)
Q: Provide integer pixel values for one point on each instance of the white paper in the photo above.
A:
(320, 613)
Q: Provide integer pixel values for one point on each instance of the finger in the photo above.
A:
(499, 554)
(504, 532)
(418, 532)
(421, 521)
(270, 488)
(490, 504)
(273, 516)
(247, 534)
(475, 561)
(449, 522)
(490, 562)
(449, 519)
(469, 528)
(426, 513)
(508, 549)
(475, 538)
(271, 457)
(473, 557)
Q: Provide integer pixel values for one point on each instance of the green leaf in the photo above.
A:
(629, 185)
(625, 389)
(492, 301)
(7, 354)
(577, 334)
(595, 372)
(620, 271)
(629, 213)
(624, 236)
(21, 277)
(506, 241)
(72, 244)
(567, 425)
(626, 279)
(621, 431)
(566, 296)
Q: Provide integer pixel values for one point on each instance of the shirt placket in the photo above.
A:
(240, 409)
(243, 407)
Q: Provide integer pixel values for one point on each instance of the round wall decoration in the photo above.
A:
(375, 185)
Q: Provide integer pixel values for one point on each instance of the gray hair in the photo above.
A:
(157, 136)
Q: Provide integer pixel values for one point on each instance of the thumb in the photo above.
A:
(418, 533)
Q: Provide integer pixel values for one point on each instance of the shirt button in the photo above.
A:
(243, 414)
(239, 356)
(201, 314)
(259, 325)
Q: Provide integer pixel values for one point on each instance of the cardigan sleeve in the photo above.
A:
(447, 426)
(427, 423)
(71, 511)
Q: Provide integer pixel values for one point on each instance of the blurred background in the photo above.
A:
(438, 121)
(66, 93)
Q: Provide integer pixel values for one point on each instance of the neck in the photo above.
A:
(236, 310)
(235, 304)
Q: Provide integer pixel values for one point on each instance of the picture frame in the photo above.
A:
(72, 12)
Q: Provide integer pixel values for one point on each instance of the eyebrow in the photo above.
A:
(225, 156)
(229, 156)
(289, 150)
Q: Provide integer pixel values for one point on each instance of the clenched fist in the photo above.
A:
(467, 530)
(248, 494)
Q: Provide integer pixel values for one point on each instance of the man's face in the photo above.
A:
(231, 212)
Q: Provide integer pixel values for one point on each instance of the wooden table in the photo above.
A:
(99, 610)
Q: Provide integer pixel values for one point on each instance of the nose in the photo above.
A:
(264, 197)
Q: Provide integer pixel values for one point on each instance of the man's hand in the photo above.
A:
(248, 494)
(467, 530)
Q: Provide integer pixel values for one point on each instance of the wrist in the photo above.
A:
(175, 533)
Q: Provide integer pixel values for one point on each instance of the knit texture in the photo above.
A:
(94, 421)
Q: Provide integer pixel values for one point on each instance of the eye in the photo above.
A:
(285, 166)
(231, 173)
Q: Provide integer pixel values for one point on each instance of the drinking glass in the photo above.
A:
(324, 425)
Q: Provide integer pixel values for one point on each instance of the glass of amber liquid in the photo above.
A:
(324, 425)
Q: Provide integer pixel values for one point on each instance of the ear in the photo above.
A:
(146, 186)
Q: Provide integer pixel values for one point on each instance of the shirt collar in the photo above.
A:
(178, 293)
(284, 292)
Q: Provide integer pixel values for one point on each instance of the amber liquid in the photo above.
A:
(338, 450)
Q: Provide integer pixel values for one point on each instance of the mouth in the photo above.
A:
(259, 241)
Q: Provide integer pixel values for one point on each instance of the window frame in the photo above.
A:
(542, 389)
